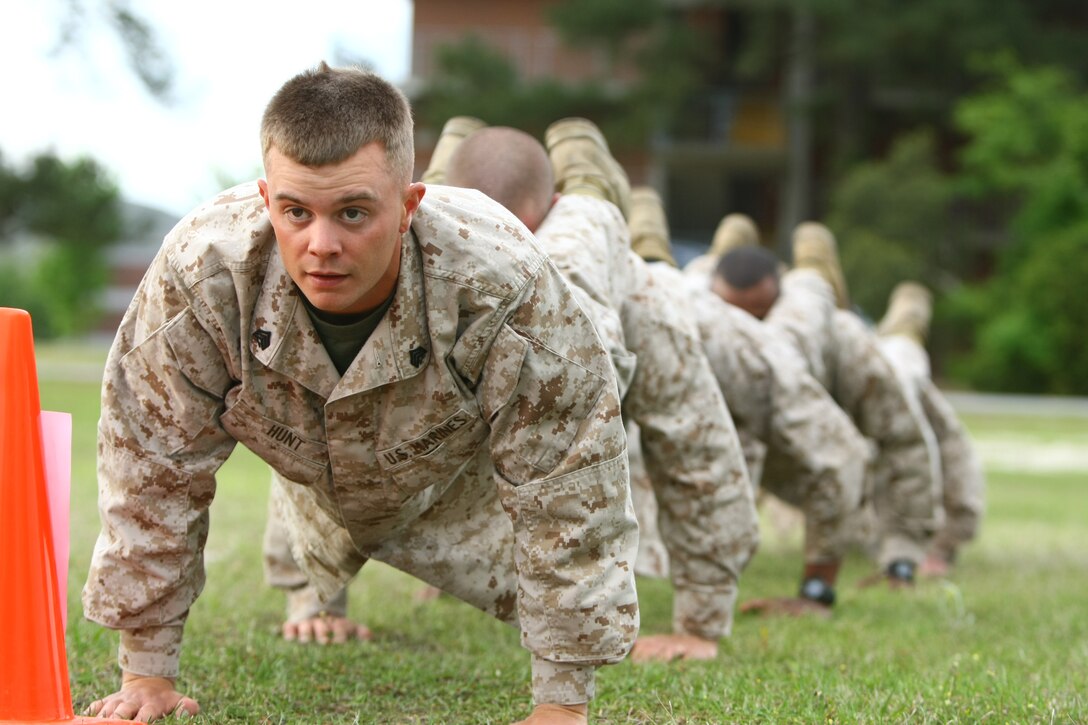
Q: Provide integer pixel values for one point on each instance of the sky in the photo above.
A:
(229, 58)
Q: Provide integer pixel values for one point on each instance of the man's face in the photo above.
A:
(339, 226)
(756, 300)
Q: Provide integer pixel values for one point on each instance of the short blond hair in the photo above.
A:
(325, 115)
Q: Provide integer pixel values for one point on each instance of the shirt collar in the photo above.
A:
(283, 337)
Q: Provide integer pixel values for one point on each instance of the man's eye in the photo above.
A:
(295, 212)
(353, 214)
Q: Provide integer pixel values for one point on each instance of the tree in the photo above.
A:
(883, 68)
(608, 23)
(74, 208)
(146, 57)
(1028, 146)
(475, 79)
(891, 218)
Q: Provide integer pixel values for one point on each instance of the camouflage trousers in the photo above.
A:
(803, 315)
(887, 525)
(463, 544)
(963, 481)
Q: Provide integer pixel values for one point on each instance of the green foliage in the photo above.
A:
(59, 288)
(1031, 334)
(1053, 285)
(66, 213)
(19, 291)
(675, 62)
(74, 203)
(1028, 142)
(68, 283)
(891, 219)
(1028, 139)
(475, 80)
(884, 67)
(894, 43)
(611, 23)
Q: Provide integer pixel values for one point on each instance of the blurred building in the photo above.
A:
(729, 154)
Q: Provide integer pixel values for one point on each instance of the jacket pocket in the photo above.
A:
(436, 456)
(294, 456)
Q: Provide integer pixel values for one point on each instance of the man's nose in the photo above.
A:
(324, 239)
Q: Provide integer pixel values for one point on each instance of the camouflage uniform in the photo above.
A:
(702, 266)
(797, 442)
(842, 353)
(963, 491)
(692, 454)
(484, 389)
(688, 441)
(708, 515)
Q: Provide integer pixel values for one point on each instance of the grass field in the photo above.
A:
(1005, 640)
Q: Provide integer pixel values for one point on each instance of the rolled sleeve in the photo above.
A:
(703, 611)
(562, 683)
(150, 651)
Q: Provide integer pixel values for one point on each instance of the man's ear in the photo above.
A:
(412, 197)
(262, 186)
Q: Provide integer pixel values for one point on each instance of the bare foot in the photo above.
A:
(669, 647)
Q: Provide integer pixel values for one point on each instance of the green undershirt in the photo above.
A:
(345, 335)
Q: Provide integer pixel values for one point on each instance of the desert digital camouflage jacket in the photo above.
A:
(906, 485)
(689, 445)
(797, 441)
(706, 508)
(482, 353)
(842, 353)
(962, 478)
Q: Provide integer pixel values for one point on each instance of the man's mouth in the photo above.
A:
(325, 278)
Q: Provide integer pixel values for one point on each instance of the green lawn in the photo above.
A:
(1006, 640)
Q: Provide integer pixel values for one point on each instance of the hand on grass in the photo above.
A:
(143, 698)
(557, 715)
(325, 629)
(786, 607)
(669, 647)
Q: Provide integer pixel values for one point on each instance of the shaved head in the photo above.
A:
(508, 165)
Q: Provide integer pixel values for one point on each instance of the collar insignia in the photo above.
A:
(417, 356)
(263, 338)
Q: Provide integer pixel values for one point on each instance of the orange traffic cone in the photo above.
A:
(33, 665)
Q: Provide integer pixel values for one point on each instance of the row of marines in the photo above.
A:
(497, 380)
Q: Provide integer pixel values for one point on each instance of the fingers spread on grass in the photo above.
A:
(325, 630)
(669, 647)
